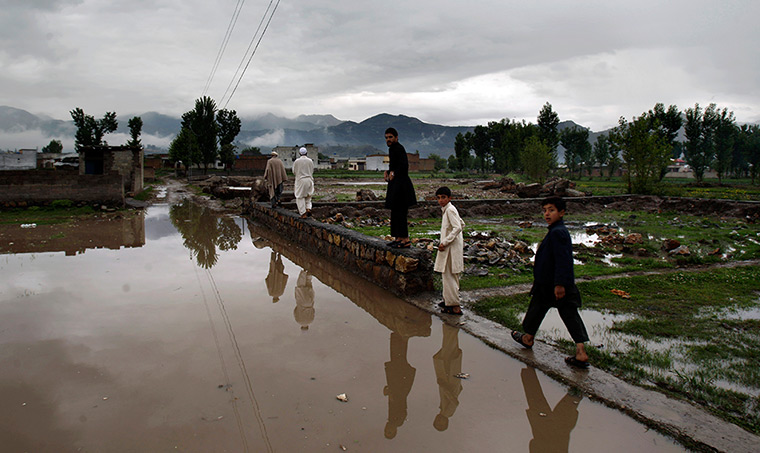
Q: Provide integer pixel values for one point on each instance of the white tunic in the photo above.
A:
(451, 237)
(303, 169)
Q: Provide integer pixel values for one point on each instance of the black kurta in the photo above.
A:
(400, 193)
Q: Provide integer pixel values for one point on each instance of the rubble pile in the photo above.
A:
(228, 187)
(555, 186)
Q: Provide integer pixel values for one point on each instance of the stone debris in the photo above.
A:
(462, 375)
(555, 186)
(621, 293)
(342, 397)
(365, 195)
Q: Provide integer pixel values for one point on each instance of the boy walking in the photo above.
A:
(450, 258)
(554, 285)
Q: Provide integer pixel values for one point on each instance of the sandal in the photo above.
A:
(449, 310)
(392, 243)
(572, 361)
(441, 304)
(518, 337)
(402, 245)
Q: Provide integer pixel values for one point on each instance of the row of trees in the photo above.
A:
(207, 134)
(644, 146)
(91, 132)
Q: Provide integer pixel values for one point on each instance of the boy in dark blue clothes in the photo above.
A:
(554, 285)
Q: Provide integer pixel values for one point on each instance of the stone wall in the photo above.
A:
(401, 271)
(39, 187)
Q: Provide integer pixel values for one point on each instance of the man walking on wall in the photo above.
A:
(275, 176)
(303, 170)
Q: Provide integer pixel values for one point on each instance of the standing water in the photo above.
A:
(184, 331)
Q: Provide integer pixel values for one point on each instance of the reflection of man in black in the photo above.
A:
(448, 363)
(551, 428)
(304, 311)
(400, 376)
(277, 279)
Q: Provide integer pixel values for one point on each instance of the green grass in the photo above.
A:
(145, 194)
(730, 189)
(692, 312)
(47, 215)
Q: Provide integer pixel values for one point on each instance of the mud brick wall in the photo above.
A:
(35, 187)
(401, 271)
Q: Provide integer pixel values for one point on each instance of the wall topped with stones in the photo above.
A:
(401, 271)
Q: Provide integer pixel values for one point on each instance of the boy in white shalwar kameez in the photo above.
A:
(450, 259)
(303, 170)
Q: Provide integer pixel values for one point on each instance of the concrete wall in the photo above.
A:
(26, 159)
(401, 271)
(32, 187)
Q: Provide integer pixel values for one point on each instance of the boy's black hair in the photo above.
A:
(558, 203)
(391, 131)
(443, 191)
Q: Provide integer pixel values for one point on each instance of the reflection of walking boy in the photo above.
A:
(551, 428)
(304, 311)
(277, 279)
(400, 376)
(554, 285)
(448, 363)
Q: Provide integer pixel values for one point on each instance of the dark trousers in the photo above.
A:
(277, 194)
(399, 224)
(568, 311)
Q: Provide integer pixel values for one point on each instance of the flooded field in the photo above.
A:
(199, 333)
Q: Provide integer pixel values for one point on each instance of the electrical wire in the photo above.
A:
(225, 41)
(271, 15)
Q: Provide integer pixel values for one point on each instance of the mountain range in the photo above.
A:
(21, 129)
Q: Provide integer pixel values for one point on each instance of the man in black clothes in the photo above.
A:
(554, 284)
(400, 194)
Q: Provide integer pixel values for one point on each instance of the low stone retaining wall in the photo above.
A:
(401, 271)
(34, 187)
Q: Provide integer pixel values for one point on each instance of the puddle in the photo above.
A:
(201, 333)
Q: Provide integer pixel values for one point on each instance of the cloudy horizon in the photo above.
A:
(441, 62)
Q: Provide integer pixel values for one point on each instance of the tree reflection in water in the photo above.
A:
(203, 231)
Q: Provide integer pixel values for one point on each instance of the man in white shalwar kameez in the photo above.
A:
(303, 170)
(450, 258)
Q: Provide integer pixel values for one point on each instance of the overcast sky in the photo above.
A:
(449, 62)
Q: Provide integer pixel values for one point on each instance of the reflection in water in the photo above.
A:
(304, 311)
(75, 237)
(277, 279)
(399, 375)
(551, 428)
(203, 231)
(448, 364)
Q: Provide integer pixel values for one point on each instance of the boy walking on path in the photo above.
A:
(554, 285)
(450, 258)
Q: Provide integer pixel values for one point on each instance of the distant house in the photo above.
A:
(23, 159)
(357, 164)
(288, 154)
(418, 164)
(377, 162)
(124, 160)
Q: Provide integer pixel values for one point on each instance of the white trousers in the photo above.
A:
(303, 204)
(450, 286)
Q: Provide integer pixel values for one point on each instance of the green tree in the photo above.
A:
(481, 144)
(135, 129)
(55, 146)
(90, 132)
(725, 135)
(666, 123)
(602, 151)
(461, 151)
(577, 148)
(548, 126)
(644, 152)
(440, 162)
(229, 127)
(536, 159)
(184, 149)
(748, 142)
(201, 122)
(700, 143)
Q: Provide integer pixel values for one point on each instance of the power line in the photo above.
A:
(252, 53)
(225, 40)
